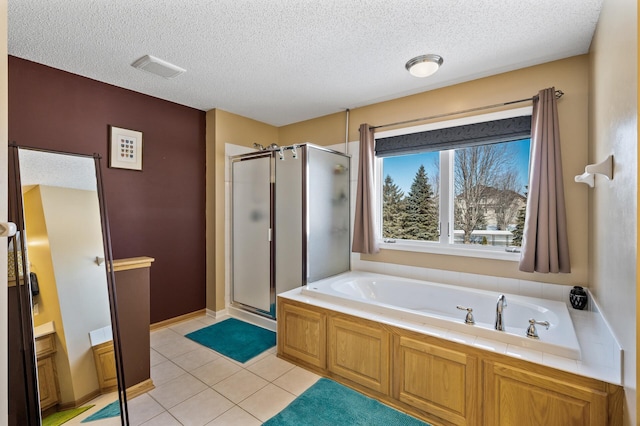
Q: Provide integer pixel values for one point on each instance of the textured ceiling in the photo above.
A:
(53, 169)
(283, 61)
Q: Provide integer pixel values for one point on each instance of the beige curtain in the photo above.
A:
(364, 239)
(545, 246)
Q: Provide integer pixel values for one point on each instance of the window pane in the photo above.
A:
(490, 193)
(410, 197)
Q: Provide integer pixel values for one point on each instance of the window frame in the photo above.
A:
(446, 204)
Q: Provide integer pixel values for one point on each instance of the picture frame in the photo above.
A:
(125, 148)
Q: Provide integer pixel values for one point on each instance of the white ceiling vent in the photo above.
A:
(158, 67)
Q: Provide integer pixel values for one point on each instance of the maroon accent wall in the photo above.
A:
(159, 212)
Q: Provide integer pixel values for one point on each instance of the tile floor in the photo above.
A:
(195, 385)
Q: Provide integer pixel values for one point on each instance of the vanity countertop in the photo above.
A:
(44, 329)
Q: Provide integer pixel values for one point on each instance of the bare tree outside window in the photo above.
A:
(487, 192)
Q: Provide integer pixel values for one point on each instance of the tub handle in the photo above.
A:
(532, 333)
(469, 318)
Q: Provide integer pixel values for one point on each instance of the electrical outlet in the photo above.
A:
(36, 310)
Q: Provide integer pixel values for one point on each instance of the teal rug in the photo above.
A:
(235, 339)
(111, 410)
(328, 403)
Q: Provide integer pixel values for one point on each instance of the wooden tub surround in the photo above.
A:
(437, 380)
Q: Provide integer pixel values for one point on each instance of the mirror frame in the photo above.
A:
(24, 303)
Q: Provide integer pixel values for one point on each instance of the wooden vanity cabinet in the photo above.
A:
(103, 355)
(439, 381)
(47, 376)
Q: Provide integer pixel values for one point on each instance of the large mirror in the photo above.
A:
(59, 262)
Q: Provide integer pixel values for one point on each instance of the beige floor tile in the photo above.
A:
(296, 380)
(164, 419)
(165, 371)
(187, 327)
(177, 390)
(240, 385)
(201, 408)
(267, 402)
(253, 360)
(156, 358)
(208, 320)
(235, 417)
(270, 367)
(164, 336)
(176, 348)
(216, 371)
(196, 358)
(142, 409)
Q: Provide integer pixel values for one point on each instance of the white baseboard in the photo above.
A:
(217, 314)
(252, 318)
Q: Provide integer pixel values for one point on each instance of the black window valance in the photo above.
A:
(504, 130)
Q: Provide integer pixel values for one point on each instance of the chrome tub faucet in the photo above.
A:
(502, 303)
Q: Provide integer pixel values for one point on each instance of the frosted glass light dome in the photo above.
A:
(424, 65)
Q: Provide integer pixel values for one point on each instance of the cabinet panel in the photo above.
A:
(436, 380)
(514, 396)
(45, 345)
(302, 334)
(359, 352)
(103, 355)
(47, 383)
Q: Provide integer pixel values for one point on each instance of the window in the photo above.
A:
(455, 185)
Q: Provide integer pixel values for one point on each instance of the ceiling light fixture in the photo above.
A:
(424, 65)
(158, 67)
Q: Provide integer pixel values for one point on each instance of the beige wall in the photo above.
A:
(569, 75)
(327, 130)
(41, 264)
(224, 127)
(613, 204)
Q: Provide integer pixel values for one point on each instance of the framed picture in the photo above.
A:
(125, 148)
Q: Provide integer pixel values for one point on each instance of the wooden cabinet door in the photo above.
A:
(105, 360)
(302, 334)
(47, 383)
(359, 351)
(436, 380)
(518, 397)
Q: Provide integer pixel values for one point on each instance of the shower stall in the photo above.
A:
(289, 222)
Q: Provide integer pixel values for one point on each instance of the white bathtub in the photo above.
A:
(423, 302)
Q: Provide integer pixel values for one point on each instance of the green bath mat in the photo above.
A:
(235, 339)
(328, 403)
(61, 417)
(111, 410)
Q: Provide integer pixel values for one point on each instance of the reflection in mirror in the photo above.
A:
(71, 301)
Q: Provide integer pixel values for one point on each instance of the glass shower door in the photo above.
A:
(328, 251)
(251, 232)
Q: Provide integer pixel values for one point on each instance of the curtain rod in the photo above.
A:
(558, 93)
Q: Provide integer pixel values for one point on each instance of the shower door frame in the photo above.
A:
(272, 282)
